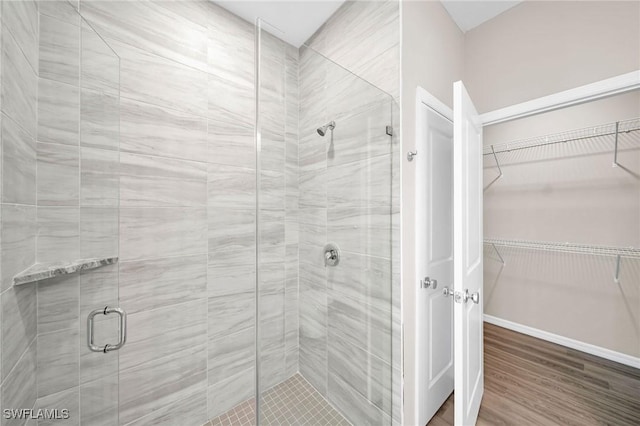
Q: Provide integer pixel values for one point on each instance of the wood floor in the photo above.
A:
(529, 381)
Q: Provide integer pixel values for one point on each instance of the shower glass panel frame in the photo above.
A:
(333, 325)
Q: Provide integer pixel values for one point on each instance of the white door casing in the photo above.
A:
(434, 254)
(468, 258)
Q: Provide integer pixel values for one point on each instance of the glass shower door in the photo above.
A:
(324, 226)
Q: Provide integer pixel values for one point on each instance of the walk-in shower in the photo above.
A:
(202, 201)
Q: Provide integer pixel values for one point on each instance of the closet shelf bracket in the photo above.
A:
(615, 151)
(495, 157)
(616, 277)
(498, 253)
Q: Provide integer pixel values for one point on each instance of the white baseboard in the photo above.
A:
(565, 341)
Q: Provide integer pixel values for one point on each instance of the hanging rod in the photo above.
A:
(626, 252)
(611, 129)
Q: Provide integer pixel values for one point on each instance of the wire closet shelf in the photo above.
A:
(626, 252)
(607, 136)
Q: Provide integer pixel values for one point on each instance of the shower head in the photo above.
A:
(323, 130)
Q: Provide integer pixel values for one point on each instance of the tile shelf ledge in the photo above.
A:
(43, 271)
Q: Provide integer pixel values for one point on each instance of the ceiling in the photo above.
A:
(294, 21)
(470, 14)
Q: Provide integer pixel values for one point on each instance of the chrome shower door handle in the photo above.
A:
(122, 330)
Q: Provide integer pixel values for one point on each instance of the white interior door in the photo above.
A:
(467, 194)
(434, 249)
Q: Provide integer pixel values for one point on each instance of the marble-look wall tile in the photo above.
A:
(58, 234)
(99, 64)
(363, 278)
(271, 228)
(362, 136)
(231, 229)
(20, 18)
(272, 152)
(366, 231)
(231, 391)
(272, 337)
(364, 325)
(272, 369)
(231, 101)
(147, 233)
(154, 181)
(99, 402)
(367, 374)
(189, 411)
(159, 283)
(313, 189)
(68, 399)
(231, 143)
(63, 10)
(292, 229)
(99, 120)
(199, 12)
(231, 313)
(155, 29)
(59, 50)
(272, 190)
(1, 118)
(353, 95)
(155, 130)
(98, 232)
(350, 45)
(58, 112)
(271, 301)
(19, 325)
(98, 287)
(162, 333)
(231, 48)
(19, 388)
(312, 89)
(99, 177)
(231, 271)
(272, 106)
(18, 250)
(356, 407)
(313, 149)
(365, 183)
(19, 164)
(19, 82)
(291, 361)
(58, 361)
(58, 175)
(158, 81)
(231, 186)
(231, 354)
(312, 237)
(162, 381)
(58, 301)
(313, 336)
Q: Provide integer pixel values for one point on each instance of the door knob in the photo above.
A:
(447, 292)
(463, 297)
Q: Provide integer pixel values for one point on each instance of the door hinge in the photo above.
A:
(389, 130)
